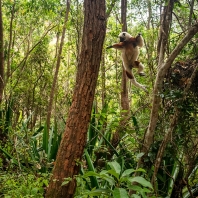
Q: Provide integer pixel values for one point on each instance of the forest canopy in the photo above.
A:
(71, 122)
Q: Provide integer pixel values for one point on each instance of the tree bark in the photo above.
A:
(123, 15)
(3, 135)
(70, 152)
(191, 3)
(10, 42)
(165, 24)
(1, 55)
(124, 88)
(158, 87)
(173, 123)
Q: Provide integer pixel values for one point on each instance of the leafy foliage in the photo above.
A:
(31, 36)
(23, 185)
(113, 182)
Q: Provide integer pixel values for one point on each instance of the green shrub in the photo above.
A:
(23, 185)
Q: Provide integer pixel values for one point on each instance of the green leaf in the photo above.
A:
(13, 160)
(94, 181)
(109, 144)
(98, 192)
(139, 155)
(34, 191)
(127, 172)
(92, 131)
(115, 166)
(91, 173)
(112, 172)
(146, 190)
(135, 188)
(104, 172)
(141, 181)
(120, 193)
(139, 190)
(45, 139)
(136, 196)
(160, 178)
(140, 170)
(66, 181)
(108, 178)
(135, 124)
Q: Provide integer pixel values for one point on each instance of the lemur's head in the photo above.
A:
(124, 36)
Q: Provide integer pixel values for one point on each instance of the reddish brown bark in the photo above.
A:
(74, 139)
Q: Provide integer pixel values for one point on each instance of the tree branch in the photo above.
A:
(158, 87)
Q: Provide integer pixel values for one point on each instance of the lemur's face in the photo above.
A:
(124, 36)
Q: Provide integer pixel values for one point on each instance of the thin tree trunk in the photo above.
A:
(71, 149)
(162, 43)
(124, 88)
(3, 134)
(22, 63)
(110, 8)
(165, 24)
(54, 84)
(1, 55)
(192, 2)
(150, 43)
(173, 123)
(158, 87)
(10, 42)
(123, 15)
(160, 153)
(103, 76)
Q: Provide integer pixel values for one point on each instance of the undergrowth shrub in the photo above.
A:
(23, 185)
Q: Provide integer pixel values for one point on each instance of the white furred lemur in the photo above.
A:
(130, 51)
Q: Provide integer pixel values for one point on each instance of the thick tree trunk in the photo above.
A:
(74, 139)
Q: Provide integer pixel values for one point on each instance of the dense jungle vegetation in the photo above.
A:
(59, 82)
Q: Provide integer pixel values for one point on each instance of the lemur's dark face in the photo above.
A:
(122, 39)
(122, 36)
